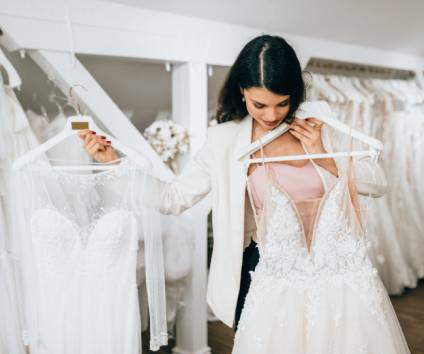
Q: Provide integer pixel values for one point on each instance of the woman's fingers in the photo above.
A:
(318, 123)
(83, 133)
(295, 134)
(96, 144)
(309, 123)
(96, 140)
(95, 148)
(304, 125)
(303, 131)
(89, 137)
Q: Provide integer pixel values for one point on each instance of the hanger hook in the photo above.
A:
(74, 102)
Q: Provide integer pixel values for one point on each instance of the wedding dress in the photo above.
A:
(16, 138)
(325, 298)
(77, 236)
(10, 329)
(371, 114)
(178, 261)
(405, 195)
(385, 242)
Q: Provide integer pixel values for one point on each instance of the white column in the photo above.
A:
(189, 108)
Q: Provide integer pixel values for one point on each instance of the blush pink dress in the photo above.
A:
(303, 185)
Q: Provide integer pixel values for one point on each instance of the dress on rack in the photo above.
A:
(78, 238)
(322, 296)
(16, 138)
(402, 156)
(371, 113)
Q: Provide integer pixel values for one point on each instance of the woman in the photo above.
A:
(264, 88)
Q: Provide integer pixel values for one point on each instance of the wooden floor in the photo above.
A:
(410, 311)
(409, 308)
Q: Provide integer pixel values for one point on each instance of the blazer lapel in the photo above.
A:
(243, 138)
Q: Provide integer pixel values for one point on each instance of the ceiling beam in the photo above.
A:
(111, 29)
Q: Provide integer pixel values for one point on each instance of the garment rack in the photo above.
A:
(327, 66)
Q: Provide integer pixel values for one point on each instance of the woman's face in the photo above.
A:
(265, 107)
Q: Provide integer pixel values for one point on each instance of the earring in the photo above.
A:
(243, 98)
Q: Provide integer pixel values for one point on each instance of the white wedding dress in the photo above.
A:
(404, 156)
(327, 299)
(386, 243)
(78, 238)
(371, 113)
(16, 138)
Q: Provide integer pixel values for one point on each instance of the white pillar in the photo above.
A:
(189, 108)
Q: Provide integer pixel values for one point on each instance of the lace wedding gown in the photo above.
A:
(372, 114)
(386, 242)
(326, 299)
(78, 238)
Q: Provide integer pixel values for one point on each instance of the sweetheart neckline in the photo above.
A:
(86, 229)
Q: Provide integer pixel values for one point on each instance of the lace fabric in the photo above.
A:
(396, 242)
(77, 237)
(325, 298)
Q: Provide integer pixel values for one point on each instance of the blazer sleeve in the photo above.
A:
(193, 184)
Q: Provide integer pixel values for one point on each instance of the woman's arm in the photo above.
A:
(175, 196)
(193, 184)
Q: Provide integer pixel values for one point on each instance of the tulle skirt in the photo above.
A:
(329, 318)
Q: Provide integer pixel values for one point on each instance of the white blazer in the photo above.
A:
(216, 169)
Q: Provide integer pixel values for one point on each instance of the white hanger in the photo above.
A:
(324, 114)
(367, 94)
(326, 90)
(314, 156)
(345, 87)
(328, 86)
(256, 145)
(378, 89)
(72, 126)
(13, 76)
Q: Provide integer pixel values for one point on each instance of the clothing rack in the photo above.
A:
(327, 66)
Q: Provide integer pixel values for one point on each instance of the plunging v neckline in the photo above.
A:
(270, 177)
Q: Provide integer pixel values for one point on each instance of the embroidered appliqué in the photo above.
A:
(338, 259)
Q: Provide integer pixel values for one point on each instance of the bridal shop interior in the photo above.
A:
(149, 75)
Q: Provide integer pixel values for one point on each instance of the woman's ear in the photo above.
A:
(243, 98)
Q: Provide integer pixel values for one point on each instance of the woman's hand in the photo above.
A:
(308, 131)
(98, 147)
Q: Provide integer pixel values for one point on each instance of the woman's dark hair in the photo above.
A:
(266, 61)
